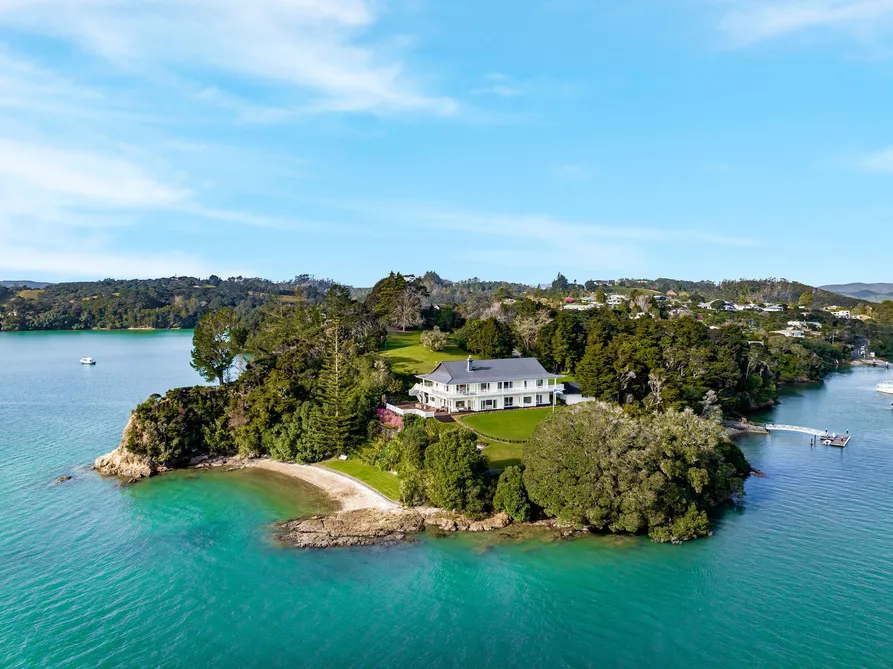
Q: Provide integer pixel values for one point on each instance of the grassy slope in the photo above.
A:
(516, 425)
(384, 482)
(502, 455)
(408, 355)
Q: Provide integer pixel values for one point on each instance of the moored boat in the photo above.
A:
(88, 361)
(885, 387)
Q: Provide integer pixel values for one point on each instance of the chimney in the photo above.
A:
(470, 364)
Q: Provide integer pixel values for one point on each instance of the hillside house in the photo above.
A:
(486, 385)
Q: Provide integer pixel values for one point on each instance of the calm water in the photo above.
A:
(180, 571)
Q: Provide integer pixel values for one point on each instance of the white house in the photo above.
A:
(615, 299)
(485, 385)
(843, 313)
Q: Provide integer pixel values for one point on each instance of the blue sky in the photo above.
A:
(698, 139)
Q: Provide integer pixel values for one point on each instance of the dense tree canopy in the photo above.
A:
(657, 474)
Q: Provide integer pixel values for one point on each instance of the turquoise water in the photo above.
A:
(181, 571)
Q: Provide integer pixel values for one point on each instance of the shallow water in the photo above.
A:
(182, 570)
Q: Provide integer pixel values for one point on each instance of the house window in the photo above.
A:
(525, 384)
(460, 405)
(462, 388)
(528, 399)
(488, 404)
(507, 385)
(539, 383)
(509, 402)
(485, 387)
(539, 399)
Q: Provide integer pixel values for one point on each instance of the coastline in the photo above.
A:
(346, 491)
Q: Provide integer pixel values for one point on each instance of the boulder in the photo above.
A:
(122, 462)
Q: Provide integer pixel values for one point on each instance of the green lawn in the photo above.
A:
(407, 355)
(515, 425)
(384, 482)
(502, 455)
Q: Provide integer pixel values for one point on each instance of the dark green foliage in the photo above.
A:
(455, 473)
(657, 474)
(490, 338)
(214, 348)
(661, 364)
(560, 344)
(448, 319)
(560, 284)
(176, 302)
(186, 422)
(511, 495)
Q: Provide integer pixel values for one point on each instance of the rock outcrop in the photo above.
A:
(124, 463)
(369, 527)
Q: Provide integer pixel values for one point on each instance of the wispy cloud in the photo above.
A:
(880, 161)
(749, 21)
(318, 55)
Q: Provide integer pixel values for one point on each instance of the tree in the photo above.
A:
(560, 284)
(511, 495)
(528, 327)
(213, 348)
(455, 473)
(590, 285)
(491, 338)
(600, 296)
(659, 474)
(805, 300)
(337, 422)
(434, 339)
(407, 308)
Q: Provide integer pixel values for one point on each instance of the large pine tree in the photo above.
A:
(337, 424)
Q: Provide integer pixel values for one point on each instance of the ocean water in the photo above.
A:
(180, 571)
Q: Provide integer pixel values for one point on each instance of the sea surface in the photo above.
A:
(181, 571)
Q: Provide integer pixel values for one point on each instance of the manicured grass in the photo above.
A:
(29, 293)
(515, 425)
(502, 455)
(384, 482)
(407, 355)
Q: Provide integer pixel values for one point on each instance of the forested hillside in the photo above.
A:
(176, 302)
(756, 290)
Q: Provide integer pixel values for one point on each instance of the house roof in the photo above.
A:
(489, 371)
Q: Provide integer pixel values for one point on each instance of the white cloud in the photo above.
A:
(881, 161)
(748, 21)
(310, 50)
(90, 178)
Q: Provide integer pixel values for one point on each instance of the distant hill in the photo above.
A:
(32, 285)
(751, 290)
(873, 292)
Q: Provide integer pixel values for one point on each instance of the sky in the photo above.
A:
(506, 140)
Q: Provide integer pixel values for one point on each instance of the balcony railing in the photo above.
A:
(559, 388)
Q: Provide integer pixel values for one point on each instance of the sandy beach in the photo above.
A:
(349, 493)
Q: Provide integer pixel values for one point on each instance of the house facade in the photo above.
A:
(487, 385)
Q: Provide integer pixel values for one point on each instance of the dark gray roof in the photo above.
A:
(489, 371)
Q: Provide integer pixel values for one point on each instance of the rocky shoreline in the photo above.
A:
(369, 527)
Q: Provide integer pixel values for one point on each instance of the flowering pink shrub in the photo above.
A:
(389, 418)
(568, 299)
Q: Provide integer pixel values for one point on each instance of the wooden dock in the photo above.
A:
(818, 436)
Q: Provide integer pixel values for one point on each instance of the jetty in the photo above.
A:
(818, 436)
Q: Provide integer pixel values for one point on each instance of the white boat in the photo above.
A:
(88, 361)
(885, 387)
